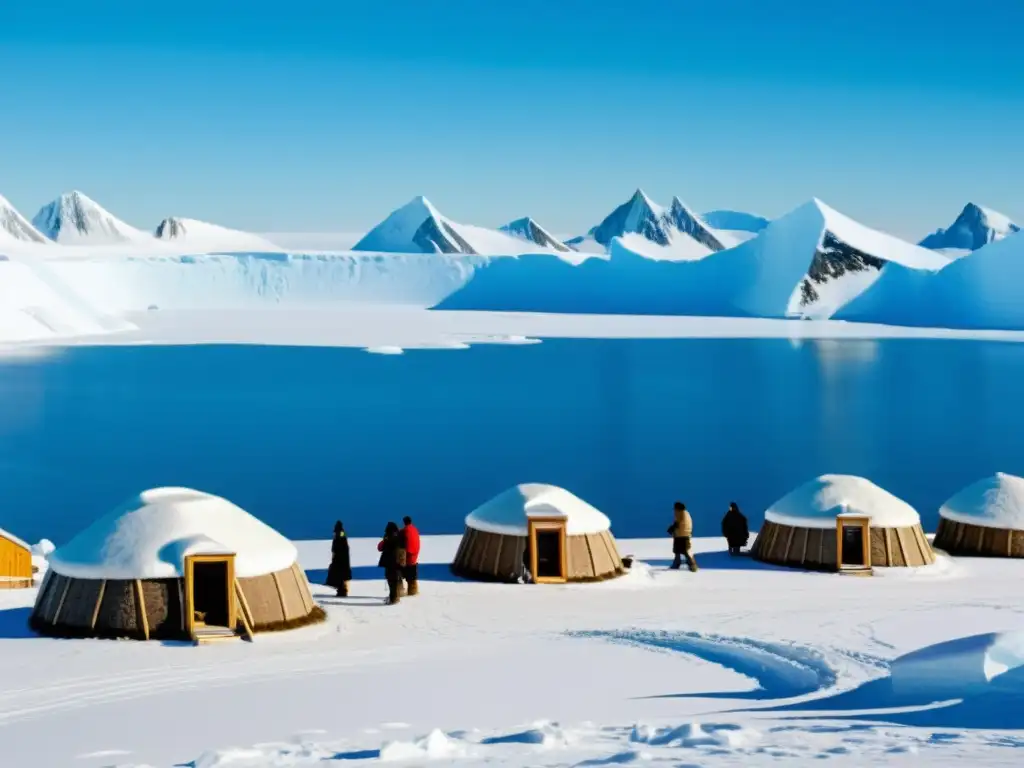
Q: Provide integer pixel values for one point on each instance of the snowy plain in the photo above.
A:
(738, 664)
(393, 329)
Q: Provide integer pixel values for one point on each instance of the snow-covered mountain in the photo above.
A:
(73, 219)
(808, 263)
(735, 221)
(418, 227)
(828, 257)
(16, 228)
(651, 230)
(975, 227)
(529, 230)
(201, 234)
(978, 291)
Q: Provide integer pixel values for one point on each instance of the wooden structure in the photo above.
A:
(542, 529)
(549, 561)
(985, 519)
(956, 538)
(820, 548)
(164, 609)
(174, 564)
(853, 544)
(842, 523)
(15, 562)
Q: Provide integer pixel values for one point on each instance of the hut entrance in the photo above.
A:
(209, 594)
(853, 544)
(547, 550)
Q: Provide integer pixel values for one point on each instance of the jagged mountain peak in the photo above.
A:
(76, 217)
(528, 229)
(974, 227)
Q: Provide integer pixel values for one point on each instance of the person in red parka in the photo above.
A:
(411, 535)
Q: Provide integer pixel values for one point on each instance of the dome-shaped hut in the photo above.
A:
(15, 562)
(842, 523)
(174, 563)
(542, 529)
(985, 518)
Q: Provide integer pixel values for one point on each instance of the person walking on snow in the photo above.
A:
(412, 555)
(681, 531)
(735, 529)
(389, 548)
(339, 574)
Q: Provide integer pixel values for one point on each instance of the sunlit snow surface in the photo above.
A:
(738, 664)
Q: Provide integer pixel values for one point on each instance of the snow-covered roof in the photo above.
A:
(11, 537)
(149, 536)
(995, 502)
(817, 504)
(508, 513)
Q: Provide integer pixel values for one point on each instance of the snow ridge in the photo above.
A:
(213, 236)
(75, 218)
(14, 226)
(974, 228)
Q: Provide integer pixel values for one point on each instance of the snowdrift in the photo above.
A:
(212, 237)
(806, 264)
(978, 291)
(36, 304)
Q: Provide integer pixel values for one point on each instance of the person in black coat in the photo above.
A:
(735, 529)
(390, 560)
(339, 574)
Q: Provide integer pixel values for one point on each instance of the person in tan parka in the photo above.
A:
(681, 532)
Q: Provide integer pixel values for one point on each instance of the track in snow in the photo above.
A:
(780, 670)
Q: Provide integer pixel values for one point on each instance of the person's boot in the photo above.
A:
(676, 562)
(691, 564)
(414, 588)
(400, 591)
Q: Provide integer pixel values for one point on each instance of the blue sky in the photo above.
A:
(324, 116)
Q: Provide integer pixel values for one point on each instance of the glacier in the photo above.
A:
(237, 281)
(808, 263)
(978, 291)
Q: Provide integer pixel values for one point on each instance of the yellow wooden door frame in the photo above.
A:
(547, 524)
(853, 521)
(229, 586)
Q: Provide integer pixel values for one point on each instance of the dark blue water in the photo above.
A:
(301, 437)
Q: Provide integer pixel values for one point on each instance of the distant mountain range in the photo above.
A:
(641, 258)
(808, 263)
(74, 219)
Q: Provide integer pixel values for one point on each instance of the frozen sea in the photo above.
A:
(302, 436)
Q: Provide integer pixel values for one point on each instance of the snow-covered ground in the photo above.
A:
(738, 664)
(392, 329)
